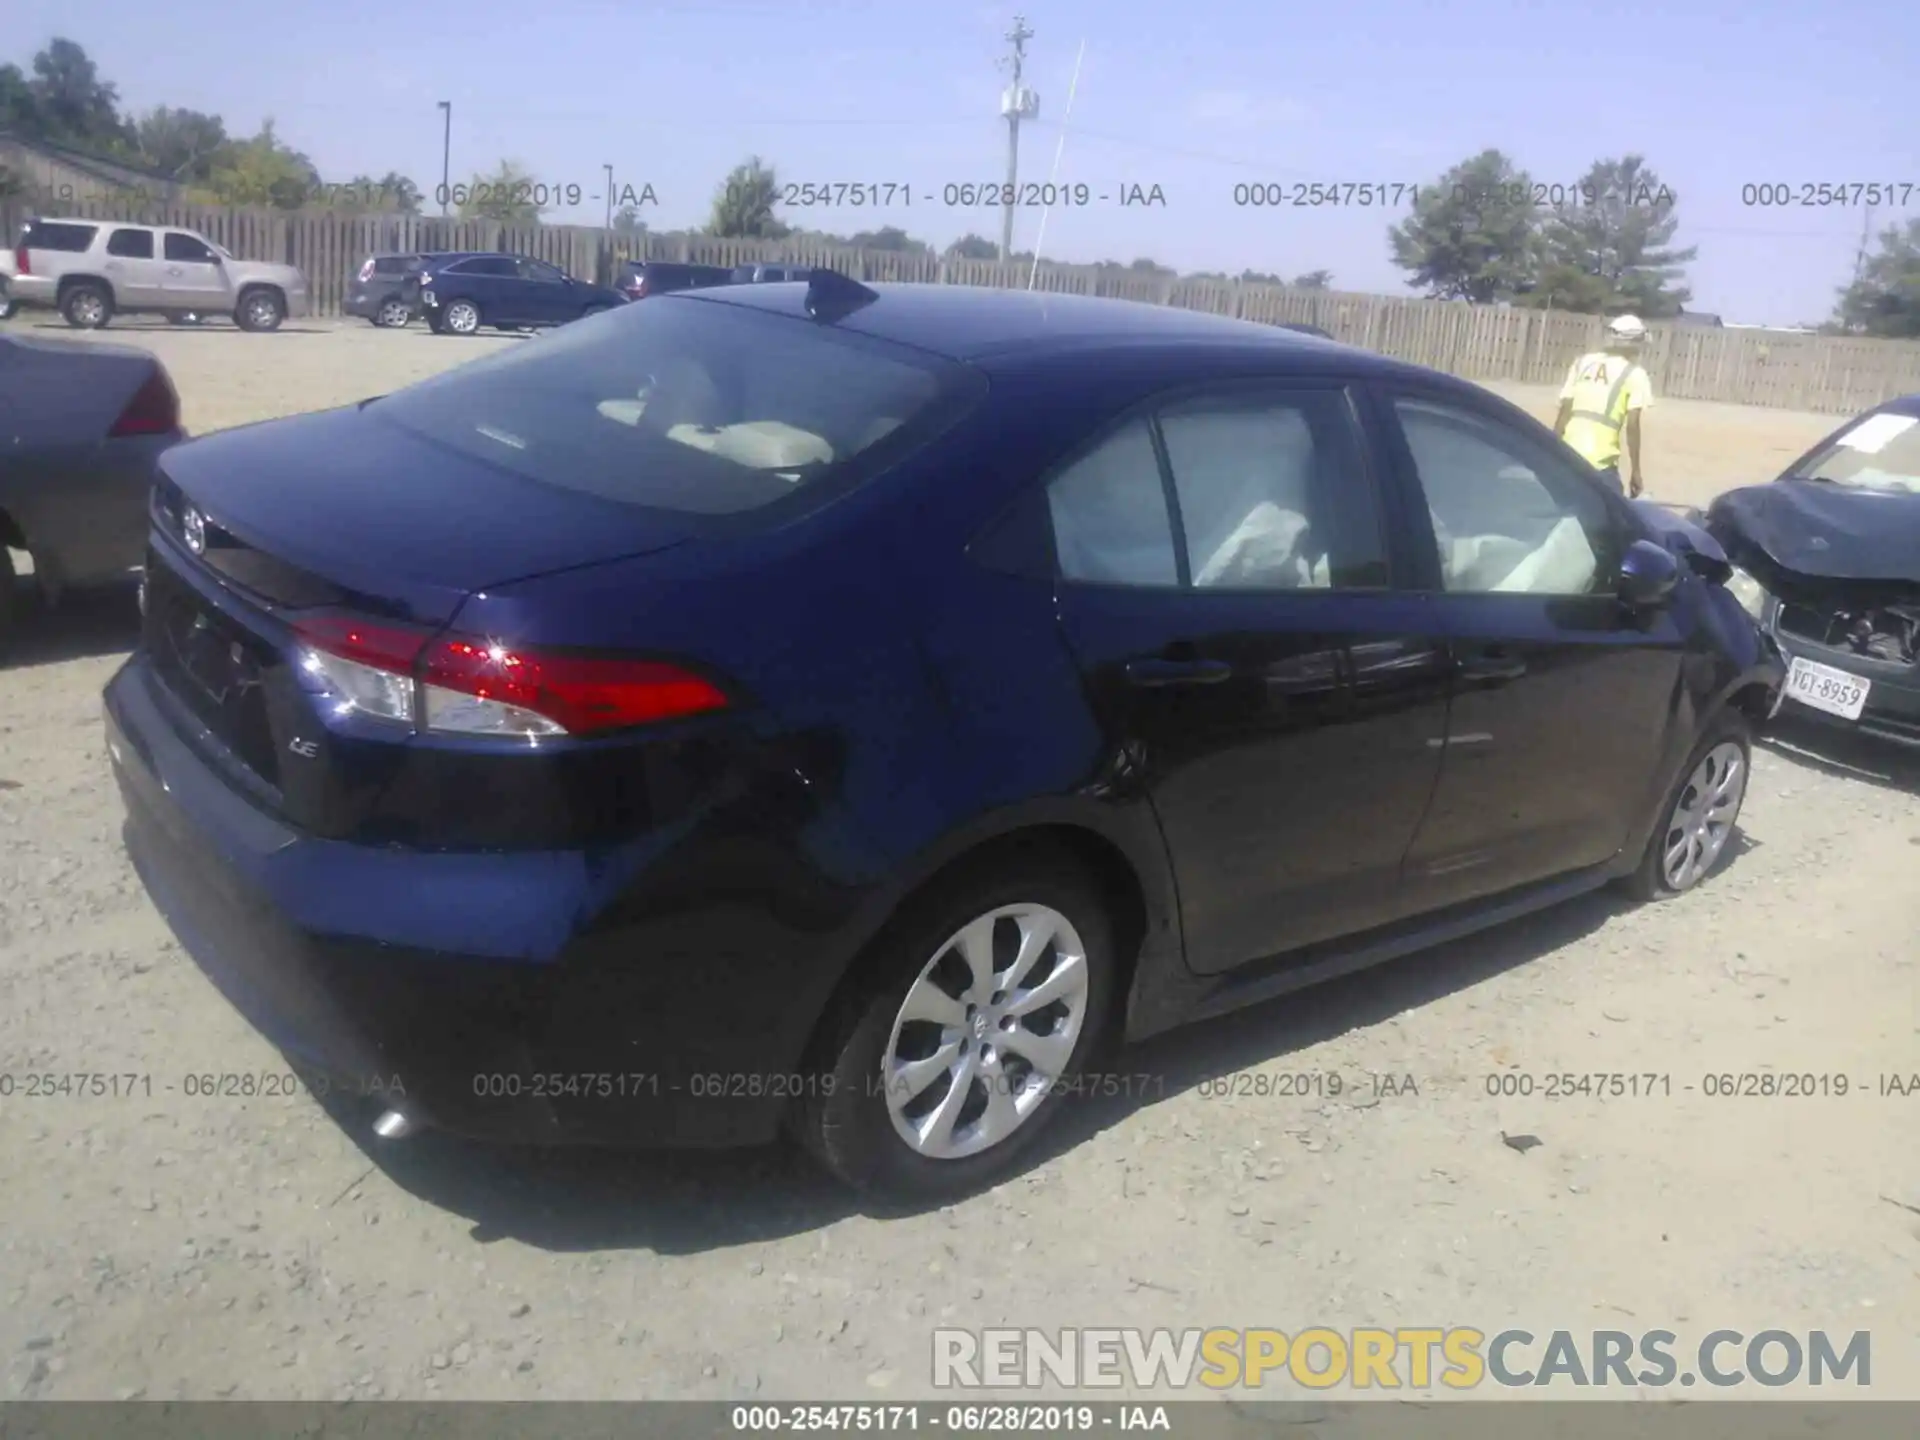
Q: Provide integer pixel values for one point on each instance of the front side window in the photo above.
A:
(539, 270)
(1509, 517)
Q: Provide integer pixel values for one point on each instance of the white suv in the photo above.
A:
(91, 270)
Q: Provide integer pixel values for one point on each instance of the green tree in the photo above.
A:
(1473, 235)
(1313, 280)
(391, 194)
(183, 145)
(260, 171)
(743, 205)
(1260, 277)
(973, 247)
(1885, 301)
(1606, 247)
(506, 197)
(627, 221)
(887, 237)
(71, 102)
(19, 111)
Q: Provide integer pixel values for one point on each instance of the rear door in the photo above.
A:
(192, 276)
(548, 297)
(1224, 585)
(135, 270)
(1561, 699)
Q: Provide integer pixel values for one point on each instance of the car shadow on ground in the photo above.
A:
(1844, 754)
(688, 1202)
(151, 324)
(103, 620)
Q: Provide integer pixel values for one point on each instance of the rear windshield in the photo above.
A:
(687, 405)
(1877, 452)
(49, 235)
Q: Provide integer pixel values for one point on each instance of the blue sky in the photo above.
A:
(1194, 98)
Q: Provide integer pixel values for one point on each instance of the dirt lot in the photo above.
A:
(167, 1246)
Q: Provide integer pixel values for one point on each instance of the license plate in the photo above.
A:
(1828, 689)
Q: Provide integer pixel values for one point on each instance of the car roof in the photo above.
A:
(966, 322)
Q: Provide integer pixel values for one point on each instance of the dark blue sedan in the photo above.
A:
(844, 709)
(463, 294)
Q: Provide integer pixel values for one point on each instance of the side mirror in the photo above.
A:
(1648, 575)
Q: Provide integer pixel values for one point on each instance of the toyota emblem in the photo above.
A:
(194, 526)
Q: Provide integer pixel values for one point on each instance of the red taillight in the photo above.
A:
(153, 410)
(20, 265)
(638, 289)
(468, 685)
(581, 696)
(384, 647)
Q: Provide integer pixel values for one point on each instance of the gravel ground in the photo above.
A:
(168, 1246)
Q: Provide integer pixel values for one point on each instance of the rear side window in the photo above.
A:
(131, 244)
(393, 264)
(485, 265)
(690, 406)
(188, 248)
(50, 235)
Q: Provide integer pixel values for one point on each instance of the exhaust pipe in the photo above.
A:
(392, 1125)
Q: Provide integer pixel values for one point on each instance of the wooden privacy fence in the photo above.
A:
(1820, 373)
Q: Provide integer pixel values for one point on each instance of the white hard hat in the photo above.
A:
(1627, 327)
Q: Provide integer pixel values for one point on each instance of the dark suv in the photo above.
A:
(379, 290)
(462, 294)
(638, 279)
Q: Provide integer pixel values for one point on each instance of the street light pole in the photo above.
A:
(446, 157)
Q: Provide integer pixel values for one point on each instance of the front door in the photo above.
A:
(134, 270)
(1223, 584)
(194, 277)
(1561, 697)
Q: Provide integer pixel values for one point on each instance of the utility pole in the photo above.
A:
(1860, 255)
(446, 157)
(1016, 103)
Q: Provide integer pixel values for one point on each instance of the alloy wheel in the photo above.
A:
(986, 1031)
(463, 317)
(394, 313)
(89, 309)
(1703, 817)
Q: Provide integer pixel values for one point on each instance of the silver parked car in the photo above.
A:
(81, 425)
(92, 270)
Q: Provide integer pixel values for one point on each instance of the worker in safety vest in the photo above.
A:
(1601, 403)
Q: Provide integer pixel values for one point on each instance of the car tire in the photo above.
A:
(259, 310)
(7, 305)
(853, 1114)
(1691, 817)
(461, 317)
(392, 314)
(9, 601)
(87, 305)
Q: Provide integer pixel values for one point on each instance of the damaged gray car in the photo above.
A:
(1827, 560)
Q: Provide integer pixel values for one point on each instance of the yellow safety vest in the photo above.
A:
(1599, 406)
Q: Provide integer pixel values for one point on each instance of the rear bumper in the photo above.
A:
(631, 1037)
(32, 289)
